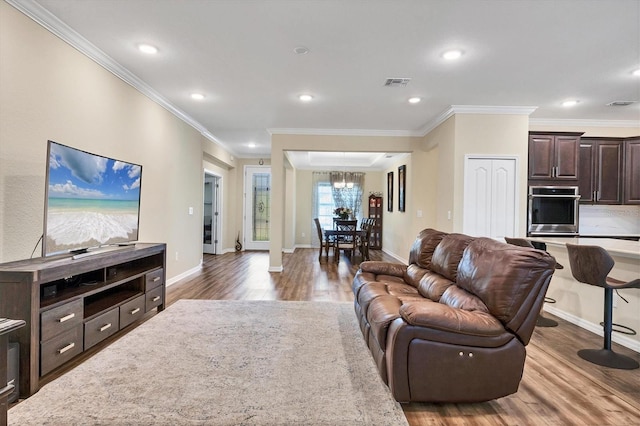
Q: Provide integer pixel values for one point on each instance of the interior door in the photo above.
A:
(490, 197)
(257, 207)
(211, 214)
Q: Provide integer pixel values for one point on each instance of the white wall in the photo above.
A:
(48, 90)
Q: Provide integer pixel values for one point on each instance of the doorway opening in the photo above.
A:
(257, 207)
(211, 214)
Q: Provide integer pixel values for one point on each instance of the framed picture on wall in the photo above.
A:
(402, 182)
(390, 191)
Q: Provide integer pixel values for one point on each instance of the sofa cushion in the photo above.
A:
(448, 253)
(432, 286)
(442, 317)
(414, 274)
(459, 298)
(504, 276)
(383, 268)
(423, 247)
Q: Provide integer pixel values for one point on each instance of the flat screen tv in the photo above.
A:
(90, 201)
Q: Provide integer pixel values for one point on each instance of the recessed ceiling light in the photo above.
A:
(452, 54)
(300, 50)
(636, 72)
(197, 96)
(305, 98)
(148, 49)
(414, 100)
(570, 103)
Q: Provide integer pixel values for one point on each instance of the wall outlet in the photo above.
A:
(190, 210)
(449, 215)
(176, 255)
(304, 235)
(419, 213)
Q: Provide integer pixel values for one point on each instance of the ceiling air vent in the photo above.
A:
(621, 103)
(397, 82)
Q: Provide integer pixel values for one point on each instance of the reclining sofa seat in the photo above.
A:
(452, 326)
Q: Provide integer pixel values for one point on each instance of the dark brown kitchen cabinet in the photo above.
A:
(632, 171)
(601, 171)
(553, 156)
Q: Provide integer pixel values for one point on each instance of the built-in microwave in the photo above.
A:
(553, 210)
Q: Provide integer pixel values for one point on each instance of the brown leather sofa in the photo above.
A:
(452, 326)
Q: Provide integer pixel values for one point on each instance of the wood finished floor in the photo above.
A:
(558, 388)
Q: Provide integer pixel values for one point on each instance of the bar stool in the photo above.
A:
(541, 321)
(591, 265)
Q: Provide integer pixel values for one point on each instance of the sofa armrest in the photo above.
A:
(384, 268)
(445, 318)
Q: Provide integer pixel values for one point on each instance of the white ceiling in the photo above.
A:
(240, 55)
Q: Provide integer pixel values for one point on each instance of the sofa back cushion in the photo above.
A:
(510, 280)
(448, 253)
(459, 298)
(423, 247)
(432, 286)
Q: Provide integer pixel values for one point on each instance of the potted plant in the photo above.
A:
(342, 212)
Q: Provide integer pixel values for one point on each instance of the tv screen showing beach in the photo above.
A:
(91, 200)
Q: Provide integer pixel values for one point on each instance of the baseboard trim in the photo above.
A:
(594, 328)
(185, 274)
(396, 256)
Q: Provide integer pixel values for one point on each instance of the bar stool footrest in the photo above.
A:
(619, 328)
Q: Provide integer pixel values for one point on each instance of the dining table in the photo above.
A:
(330, 234)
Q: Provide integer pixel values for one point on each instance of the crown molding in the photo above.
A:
(54, 25)
(493, 109)
(584, 123)
(474, 109)
(340, 132)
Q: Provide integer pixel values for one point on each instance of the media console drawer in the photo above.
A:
(154, 279)
(99, 328)
(131, 311)
(153, 299)
(60, 349)
(56, 320)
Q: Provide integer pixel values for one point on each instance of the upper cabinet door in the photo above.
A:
(566, 157)
(586, 183)
(553, 157)
(541, 157)
(632, 171)
(608, 172)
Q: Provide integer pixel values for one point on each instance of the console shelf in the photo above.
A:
(71, 304)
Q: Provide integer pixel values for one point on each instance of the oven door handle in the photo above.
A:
(531, 196)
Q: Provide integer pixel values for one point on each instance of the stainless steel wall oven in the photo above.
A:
(553, 210)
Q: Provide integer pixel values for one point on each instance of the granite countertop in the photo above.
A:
(624, 248)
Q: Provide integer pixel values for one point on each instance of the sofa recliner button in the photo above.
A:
(470, 354)
(461, 354)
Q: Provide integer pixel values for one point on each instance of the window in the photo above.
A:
(325, 205)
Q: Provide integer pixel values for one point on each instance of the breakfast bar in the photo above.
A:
(582, 304)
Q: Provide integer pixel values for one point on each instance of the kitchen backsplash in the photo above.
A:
(609, 220)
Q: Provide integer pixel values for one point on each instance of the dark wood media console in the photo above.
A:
(70, 304)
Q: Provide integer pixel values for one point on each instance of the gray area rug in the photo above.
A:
(205, 362)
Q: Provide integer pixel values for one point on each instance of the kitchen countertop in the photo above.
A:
(624, 248)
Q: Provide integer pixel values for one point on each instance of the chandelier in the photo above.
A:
(341, 184)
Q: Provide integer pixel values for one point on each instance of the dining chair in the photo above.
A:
(363, 240)
(324, 242)
(347, 239)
